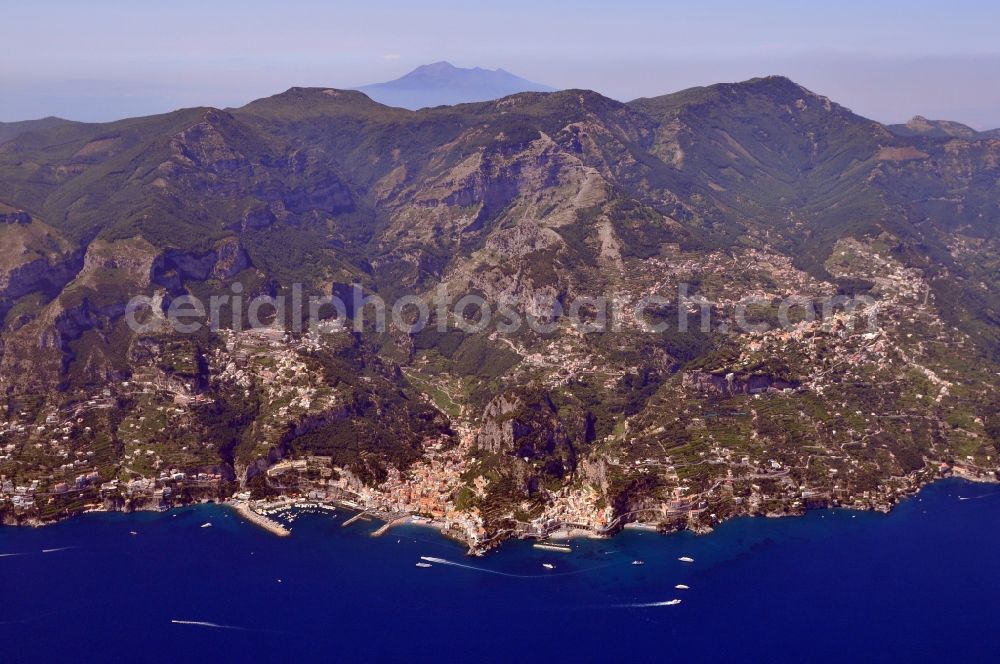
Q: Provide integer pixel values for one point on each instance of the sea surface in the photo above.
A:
(919, 584)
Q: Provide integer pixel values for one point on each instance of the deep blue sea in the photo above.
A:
(920, 584)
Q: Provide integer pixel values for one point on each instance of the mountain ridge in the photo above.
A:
(529, 201)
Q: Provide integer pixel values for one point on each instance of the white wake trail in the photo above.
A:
(201, 623)
(550, 575)
(442, 561)
(638, 605)
(650, 605)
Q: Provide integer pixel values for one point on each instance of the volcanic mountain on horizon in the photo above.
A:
(442, 83)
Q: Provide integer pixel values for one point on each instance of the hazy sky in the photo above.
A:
(889, 60)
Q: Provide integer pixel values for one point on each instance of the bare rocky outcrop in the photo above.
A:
(499, 432)
(230, 259)
(206, 144)
(132, 258)
(730, 383)
(526, 238)
(531, 428)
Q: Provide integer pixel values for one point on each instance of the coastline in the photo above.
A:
(244, 509)
(566, 534)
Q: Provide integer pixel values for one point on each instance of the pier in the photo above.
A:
(354, 518)
(273, 527)
(394, 520)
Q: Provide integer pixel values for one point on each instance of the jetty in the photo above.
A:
(356, 517)
(394, 520)
(270, 525)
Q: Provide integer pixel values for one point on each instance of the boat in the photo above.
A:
(638, 562)
(553, 546)
(423, 564)
(681, 586)
(673, 602)
(686, 559)
(207, 525)
(132, 532)
(548, 566)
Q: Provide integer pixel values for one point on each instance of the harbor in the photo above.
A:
(266, 515)
(260, 520)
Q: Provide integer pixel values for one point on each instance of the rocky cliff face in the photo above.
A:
(38, 275)
(730, 384)
(34, 258)
(498, 433)
(224, 261)
(530, 427)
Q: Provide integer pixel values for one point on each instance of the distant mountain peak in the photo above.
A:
(776, 85)
(439, 65)
(918, 125)
(442, 83)
(442, 66)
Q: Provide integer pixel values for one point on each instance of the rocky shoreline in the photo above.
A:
(254, 515)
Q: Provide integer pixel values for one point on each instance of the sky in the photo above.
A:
(102, 60)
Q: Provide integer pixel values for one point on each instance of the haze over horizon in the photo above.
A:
(105, 61)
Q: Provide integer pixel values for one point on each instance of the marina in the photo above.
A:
(268, 524)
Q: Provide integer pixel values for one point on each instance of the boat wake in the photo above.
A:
(61, 548)
(640, 605)
(230, 628)
(452, 563)
(212, 625)
(442, 561)
(985, 495)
